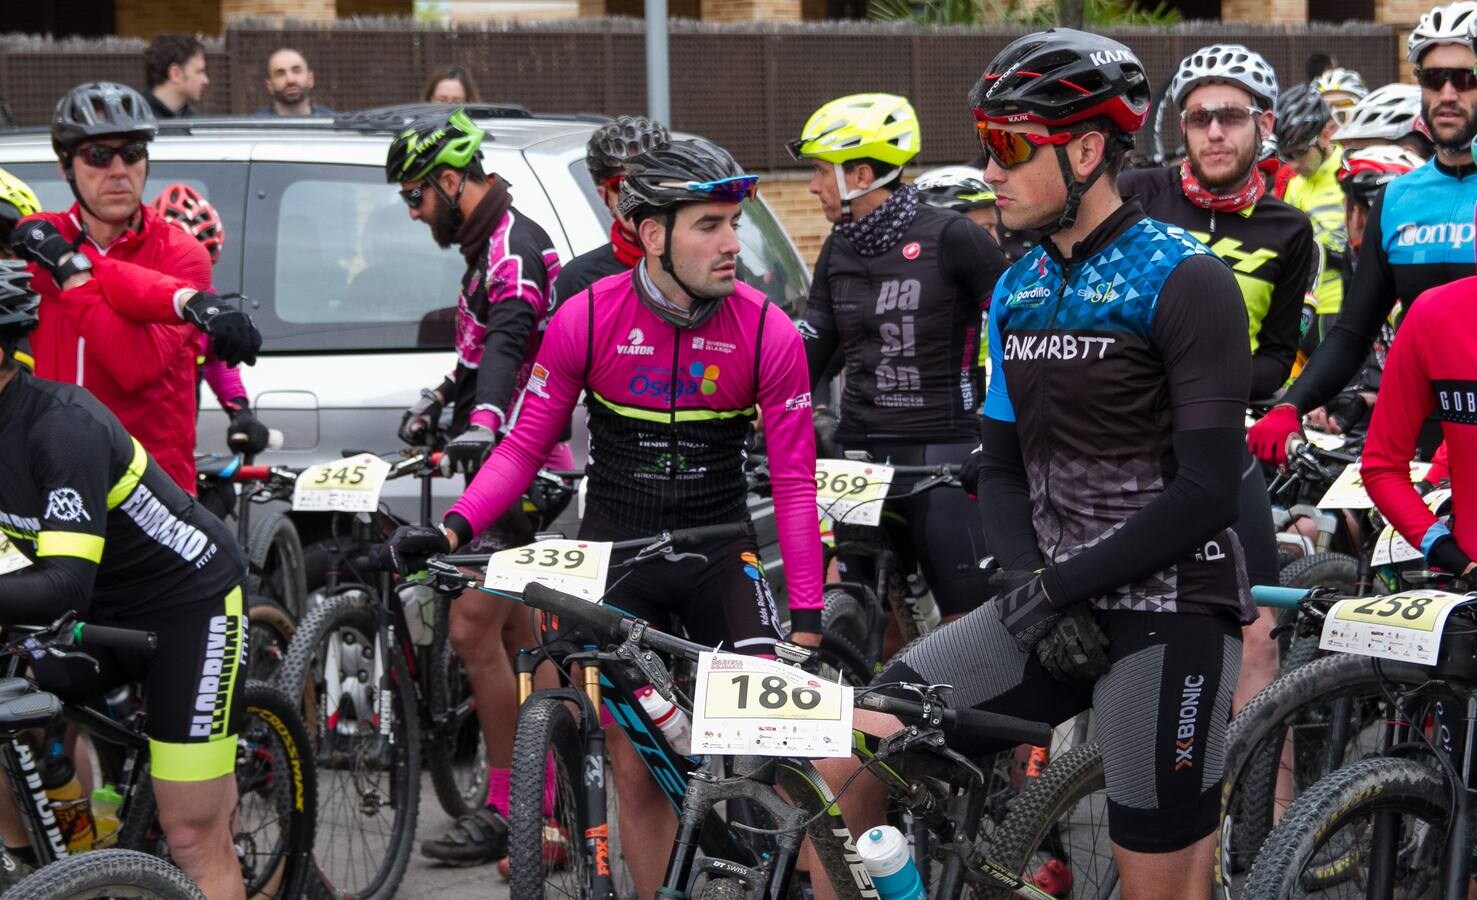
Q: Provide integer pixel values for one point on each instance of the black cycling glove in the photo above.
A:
(233, 336)
(1347, 410)
(969, 472)
(1447, 556)
(1024, 606)
(1075, 650)
(466, 451)
(421, 418)
(826, 424)
(39, 242)
(408, 548)
(246, 433)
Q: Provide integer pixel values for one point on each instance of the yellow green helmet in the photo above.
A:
(883, 127)
(16, 202)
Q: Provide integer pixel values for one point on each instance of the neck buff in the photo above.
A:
(878, 231)
(1235, 201)
(627, 251)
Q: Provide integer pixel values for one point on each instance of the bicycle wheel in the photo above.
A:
(276, 797)
(1059, 818)
(546, 857)
(1331, 827)
(368, 781)
(456, 754)
(277, 570)
(1339, 571)
(271, 630)
(107, 873)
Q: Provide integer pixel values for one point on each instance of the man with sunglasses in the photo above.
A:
(1111, 444)
(120, 286)
(501, 311)
(1226, 94)
(605, 157)
(899, 289)
(1304, 127)
(1418, 234)
(675, 360)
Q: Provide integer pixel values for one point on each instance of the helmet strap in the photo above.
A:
(1075, 190)
(701, 308)
(847, 196)
(454, 204)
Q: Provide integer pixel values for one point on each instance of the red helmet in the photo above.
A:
(1364, 171)
(184, 206)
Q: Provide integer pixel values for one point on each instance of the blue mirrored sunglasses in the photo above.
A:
(728, 190)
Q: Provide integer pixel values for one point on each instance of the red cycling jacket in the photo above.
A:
(1432, 366)
(120, 336)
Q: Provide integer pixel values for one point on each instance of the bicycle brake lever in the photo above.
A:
(58, 653)
(645, 661)
(674, 556)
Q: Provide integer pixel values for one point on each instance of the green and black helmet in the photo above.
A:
(19, 304)
(431, 143)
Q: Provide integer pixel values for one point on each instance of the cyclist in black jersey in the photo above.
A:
(1419, 233)
(610, 146)
(898, 289)
(1225, 94)
(1111, 442)
(112, 538)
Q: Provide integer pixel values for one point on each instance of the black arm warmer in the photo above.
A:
(39, 593)
(1201, 499)
(509, 325)
(1005, 498)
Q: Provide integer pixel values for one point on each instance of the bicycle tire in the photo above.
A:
(456, 753)
(273, 741)
(1329, 569)
(547, 734)
(354, 789)
(723, 889)
(1382, 784)
(277, 569)
(1297, 700)
(270, 634)
(106, 873)
(1036, 817)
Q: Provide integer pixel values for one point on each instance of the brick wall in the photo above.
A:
(1264, 11)
(346, 8)
(751, 10)
(146, 18)
(302, 10)
(788, 194)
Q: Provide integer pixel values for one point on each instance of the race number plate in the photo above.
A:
(1347, 491)
(574, 567)
(1391, 547)
(11, 559)
(851, 492)
(746, 706)
(1324, 441)
(344, 485)
(1405, 626)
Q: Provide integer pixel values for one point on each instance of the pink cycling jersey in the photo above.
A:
(670, 410)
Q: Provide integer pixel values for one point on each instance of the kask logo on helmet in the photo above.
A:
(1103, 57)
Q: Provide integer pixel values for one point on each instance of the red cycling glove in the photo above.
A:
(1268, 437)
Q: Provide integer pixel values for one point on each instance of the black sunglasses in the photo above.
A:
(1434, 79)
(415, 195)
(100, 156)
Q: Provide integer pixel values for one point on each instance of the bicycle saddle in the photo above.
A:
(29, 711)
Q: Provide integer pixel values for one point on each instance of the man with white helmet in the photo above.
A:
(899, 287)
(1419, 232)
(1341, 89)
(1226, 94)
(1389, 115)
(963, 190)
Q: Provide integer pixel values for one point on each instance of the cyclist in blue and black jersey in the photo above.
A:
(112, 538)
(1418, 234)
(1111, 460)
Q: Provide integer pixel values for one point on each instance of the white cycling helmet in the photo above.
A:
(1450, 24)
(1229, 64)
(1389, 113)
(1344, 80)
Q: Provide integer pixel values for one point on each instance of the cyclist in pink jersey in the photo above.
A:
(676, 359)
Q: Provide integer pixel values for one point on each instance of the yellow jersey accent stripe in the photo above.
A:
(682, 415)
(131, 476)
(70, 543)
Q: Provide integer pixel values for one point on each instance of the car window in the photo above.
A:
(340, 265)
(223, 184)
(768, 261)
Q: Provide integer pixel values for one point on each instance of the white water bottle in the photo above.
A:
(885, 854)
(668, 717)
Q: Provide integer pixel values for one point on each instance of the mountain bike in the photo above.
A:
(273, 825)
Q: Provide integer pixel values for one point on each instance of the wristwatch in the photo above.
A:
(76, 264)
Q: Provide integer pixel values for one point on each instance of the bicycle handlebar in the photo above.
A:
(1277, 596)
(976, 722)
(127, 639)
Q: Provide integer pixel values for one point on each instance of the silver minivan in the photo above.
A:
(353, 298)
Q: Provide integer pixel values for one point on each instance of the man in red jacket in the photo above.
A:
(120, 286)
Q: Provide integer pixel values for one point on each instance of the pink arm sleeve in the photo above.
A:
(789, 435)
(543, 411)
(224, 380)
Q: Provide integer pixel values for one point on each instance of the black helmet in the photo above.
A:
(99, 109)
(692, 171)
(1302, 114)
(1062, 76)
(614, 143)
(18, 303)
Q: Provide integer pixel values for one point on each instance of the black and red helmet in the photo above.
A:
(1063, 76)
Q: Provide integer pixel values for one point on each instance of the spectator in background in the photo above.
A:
(451, 84)
(174, 65)
(290, 85)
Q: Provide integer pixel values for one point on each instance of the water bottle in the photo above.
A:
(419, 601)
(668, 717)
(72, 810)
(920, 600)
(106, 802)
(884, 853)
